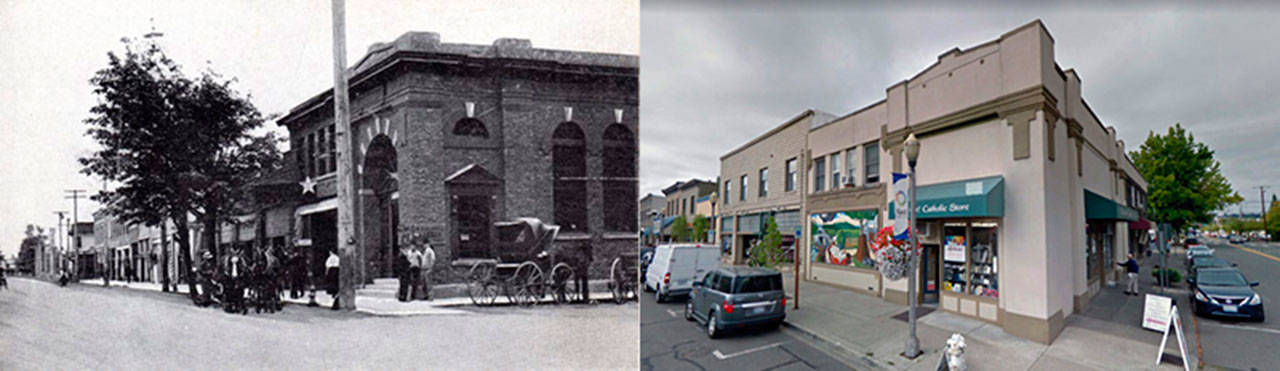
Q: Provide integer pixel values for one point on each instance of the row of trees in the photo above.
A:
(684, 231)
(175, 146)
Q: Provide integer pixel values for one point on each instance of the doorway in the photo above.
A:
(929, 274)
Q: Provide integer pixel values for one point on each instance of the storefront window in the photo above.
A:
(984, 260)
(970, 259)
(838, 238)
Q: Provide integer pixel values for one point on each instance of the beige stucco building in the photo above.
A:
(1016, 177)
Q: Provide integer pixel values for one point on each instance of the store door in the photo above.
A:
(929, 274)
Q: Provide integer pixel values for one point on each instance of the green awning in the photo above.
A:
(1098, 207)
(970, 198)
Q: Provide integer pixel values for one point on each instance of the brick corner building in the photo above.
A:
(450, 138)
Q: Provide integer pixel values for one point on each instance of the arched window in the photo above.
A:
(569, 168)
(619, 182)
(470, 127)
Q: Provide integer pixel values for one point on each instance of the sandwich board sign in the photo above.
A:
(1160, 314)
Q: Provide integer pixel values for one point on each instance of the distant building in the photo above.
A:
(652, 210)
(682, 200)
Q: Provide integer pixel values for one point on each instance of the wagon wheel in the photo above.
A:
(480, 285)
(528, 283)
(618, 282)
(563, 287)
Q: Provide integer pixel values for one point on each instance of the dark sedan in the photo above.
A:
(1208, 261)
(1225, 292)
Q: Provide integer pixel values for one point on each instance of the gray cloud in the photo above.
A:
(715, 75)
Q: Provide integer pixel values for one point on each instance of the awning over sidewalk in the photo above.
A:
(1098, 207)
(970, 198)
(1141, 224)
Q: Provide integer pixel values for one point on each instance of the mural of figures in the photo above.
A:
(838, 238)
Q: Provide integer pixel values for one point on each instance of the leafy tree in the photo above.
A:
(178, 146)
(1185, 184)
(35, 237)
(1273, 219)
(700, 226)
(680, 230)
(768, 252)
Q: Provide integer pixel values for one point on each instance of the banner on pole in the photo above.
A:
(901, 197)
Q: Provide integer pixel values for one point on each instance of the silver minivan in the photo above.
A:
(737, 297)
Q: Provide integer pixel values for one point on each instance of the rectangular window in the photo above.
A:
(791, 175)
(851, 168)
(835, 170)
(743, 195)
(728, 188)
(311, 154)
(764, 182)
(333, 150)
(819, 174)
(872, 160)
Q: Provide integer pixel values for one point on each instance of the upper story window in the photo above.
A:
(872, 160)
(743, 195)
(619, 152)
(764, 182)
(470, 127)
(820, 174)
(835, 170)
(791, 175)
(728, 189)
(569, 169)
(851, 166)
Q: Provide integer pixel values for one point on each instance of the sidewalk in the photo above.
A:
(369, 304)
(864, 327)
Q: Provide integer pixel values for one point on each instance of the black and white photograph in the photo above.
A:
(342, 184)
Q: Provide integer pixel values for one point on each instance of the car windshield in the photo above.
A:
(1220, 278)
(1192, 241)
(1208, 261)
(1199, 249)
(753, 284)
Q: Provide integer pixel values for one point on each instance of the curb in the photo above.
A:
(853, 355)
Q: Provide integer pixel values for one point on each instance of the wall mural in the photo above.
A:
(837, 238)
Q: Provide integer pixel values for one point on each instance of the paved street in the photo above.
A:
(670, 342)
(89, 327)
(1246, 345)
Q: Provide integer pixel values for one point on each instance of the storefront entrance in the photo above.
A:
(929, 274)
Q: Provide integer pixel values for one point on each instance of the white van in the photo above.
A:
(676, 266)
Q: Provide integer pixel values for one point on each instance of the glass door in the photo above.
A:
(929, 272)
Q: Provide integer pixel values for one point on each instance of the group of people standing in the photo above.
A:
(414, 264)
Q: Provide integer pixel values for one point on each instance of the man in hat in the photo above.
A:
(428, 257)
(403, 263)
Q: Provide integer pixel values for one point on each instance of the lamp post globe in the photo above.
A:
(912, 147)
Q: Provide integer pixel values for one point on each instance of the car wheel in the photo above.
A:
(688, 310)
(712, 331)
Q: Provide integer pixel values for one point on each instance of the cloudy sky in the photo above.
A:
(715, 75)
(280, 52)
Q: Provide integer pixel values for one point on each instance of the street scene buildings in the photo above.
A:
(1042, 182)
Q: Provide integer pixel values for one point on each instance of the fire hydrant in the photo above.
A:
(954, 353)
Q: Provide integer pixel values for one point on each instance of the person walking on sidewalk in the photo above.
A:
(402, 267)
(331, 276)
(1131, 269)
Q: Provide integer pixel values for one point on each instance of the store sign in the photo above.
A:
(1155, 314)
(953, 250)
(901, 198)
(925, 208)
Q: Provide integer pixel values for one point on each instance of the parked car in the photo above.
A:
(1235, 238)
(1194, 251)
(1225, 292)
(676, 266)
(1207, 261)
(646, 257)
(737, 297)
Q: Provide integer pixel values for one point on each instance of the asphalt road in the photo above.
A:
(43, 326)
(669, 342)
(1246, 345)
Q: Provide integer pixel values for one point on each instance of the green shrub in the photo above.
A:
(1174, 275)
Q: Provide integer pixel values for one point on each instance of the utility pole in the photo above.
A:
(59, 243)
(342, 129)
(1262, 198)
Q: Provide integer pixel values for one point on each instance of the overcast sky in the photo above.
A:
(714, 76)
(280, 51)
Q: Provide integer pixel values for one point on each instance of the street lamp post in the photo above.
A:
(912, 147)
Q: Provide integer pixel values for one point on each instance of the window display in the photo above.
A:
(953, 258)
(983, 260)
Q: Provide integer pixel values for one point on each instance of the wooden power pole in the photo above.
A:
(342, 130)
(1262, 198)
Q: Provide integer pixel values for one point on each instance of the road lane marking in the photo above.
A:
(672, 313)
(1259, 253)
(1263, 329)
(723, 356)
